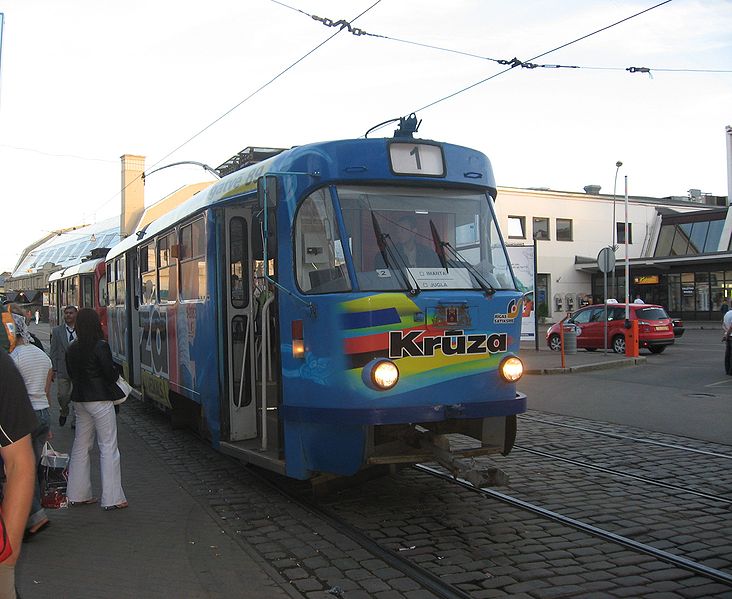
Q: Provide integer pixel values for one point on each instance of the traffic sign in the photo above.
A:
(606, 260)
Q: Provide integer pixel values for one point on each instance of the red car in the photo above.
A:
(655, 330)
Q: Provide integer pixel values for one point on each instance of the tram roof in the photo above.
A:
(85, 267)
(325, 158)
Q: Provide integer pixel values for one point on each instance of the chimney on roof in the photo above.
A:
(133, 193)
(592, 189)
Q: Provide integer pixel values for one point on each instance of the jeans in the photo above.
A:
(95, 419)
(38, 438)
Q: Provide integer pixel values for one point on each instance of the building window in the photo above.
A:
(564, 229)
(541, 227)
(621, 233)
(517, 227)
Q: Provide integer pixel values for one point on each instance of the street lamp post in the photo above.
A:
(627, 258)
(614, 285)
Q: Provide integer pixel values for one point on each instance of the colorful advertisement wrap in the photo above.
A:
(522, 263)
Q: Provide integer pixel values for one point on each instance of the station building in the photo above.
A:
(679, 248)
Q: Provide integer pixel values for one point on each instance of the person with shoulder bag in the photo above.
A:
(94, 376)
(17, 422)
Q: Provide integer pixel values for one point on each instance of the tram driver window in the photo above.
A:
(319, 257)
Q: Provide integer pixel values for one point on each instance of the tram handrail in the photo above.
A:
(242, 377)
(265, 358)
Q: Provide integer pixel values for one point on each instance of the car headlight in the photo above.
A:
(380, 374)
(511, 369)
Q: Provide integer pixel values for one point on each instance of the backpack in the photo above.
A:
(7, 332)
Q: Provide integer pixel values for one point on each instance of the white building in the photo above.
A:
(678, 247)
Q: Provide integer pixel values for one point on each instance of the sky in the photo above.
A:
(83, 82)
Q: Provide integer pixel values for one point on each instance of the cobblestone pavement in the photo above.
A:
(486, 548)
(493, 550)
(317, 561)
(483, 546)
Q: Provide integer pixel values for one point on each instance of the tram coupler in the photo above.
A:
(466, 468)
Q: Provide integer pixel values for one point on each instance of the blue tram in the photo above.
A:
(336, 306)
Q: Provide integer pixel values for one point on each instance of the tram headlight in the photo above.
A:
(511, 369)
(380, 374)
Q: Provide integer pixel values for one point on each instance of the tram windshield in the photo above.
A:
(399, 239)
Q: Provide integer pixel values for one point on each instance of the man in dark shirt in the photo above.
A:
(17, 421)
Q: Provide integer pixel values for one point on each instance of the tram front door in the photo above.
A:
(240, 310)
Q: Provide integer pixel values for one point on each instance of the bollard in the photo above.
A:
(631, 340)
(570, 340)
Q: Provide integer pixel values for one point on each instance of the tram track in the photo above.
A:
(418, 574)
(678, 561)
(619, 473)
(627, 437)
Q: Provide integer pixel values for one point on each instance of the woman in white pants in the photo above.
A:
(93, 374)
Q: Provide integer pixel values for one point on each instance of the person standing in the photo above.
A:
(94, 376)
(17, 421)
(727, 340)
(35, 368)
(61, 337)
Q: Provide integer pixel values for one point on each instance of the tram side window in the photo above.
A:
(193, 261)
(87, 292)
(102, 290)
(110, 283)
(148, 273)
(168, 268)
(119, 276)
(319, 260)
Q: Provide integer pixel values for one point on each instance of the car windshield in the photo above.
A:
(651, 314)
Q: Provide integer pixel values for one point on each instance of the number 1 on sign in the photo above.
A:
(415, 153)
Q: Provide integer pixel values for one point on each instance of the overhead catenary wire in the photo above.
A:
(238, 104)
(574, 41)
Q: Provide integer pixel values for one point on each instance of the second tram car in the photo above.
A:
(83, 285)
(291, 326)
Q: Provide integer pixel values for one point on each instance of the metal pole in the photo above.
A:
(614, 286)
(604, 277)
(536, 297)
(627, 259)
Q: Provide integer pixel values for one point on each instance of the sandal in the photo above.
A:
(119, 506)
(34, 530)
(87, 502)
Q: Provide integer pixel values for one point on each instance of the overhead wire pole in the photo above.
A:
(627, 259)
(614, 283)
(2, 24)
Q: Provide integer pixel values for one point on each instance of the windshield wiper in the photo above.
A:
(440, 247)
(389, 250)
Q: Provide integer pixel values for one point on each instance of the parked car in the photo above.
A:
(655, 329)
(678, 327)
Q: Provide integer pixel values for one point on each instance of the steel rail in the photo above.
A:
(613, 472)
(680, 562)
(628, 438)
(427, 579)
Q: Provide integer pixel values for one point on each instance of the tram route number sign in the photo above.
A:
(416, 159)
(606, 260)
